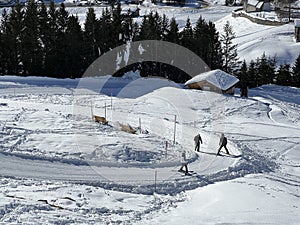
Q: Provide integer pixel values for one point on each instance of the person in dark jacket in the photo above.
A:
(223, 143)
(184, 163)
(197, 140)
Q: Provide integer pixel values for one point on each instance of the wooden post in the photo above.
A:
(140, 125)
(174, 130)
(92, 113)
(111, 104)
(155, 179)
(105, 110)
(166, 149)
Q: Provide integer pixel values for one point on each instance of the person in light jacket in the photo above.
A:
(223, 143)
(197, 140)
(184, 163)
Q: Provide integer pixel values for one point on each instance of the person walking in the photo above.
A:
(184, 163)
(197, 140)
(223, 143)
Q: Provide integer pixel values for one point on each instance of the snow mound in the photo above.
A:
(217, 78)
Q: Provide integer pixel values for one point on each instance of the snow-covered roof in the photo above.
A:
(218, 78)
(259, 5)
(253, 2)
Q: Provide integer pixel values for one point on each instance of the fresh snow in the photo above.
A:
(58, 166)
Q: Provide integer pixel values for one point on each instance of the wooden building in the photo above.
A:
(257, 5)
(216, 81)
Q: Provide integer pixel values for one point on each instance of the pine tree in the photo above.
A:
(283, 75)
(252, 74)
(74, 59)
(51, 42)
(31, 54)
(116, 27)
(265, 70)
(165, 26)
(128, 29)
(214, 59)
(3, 45)
(173, 32)
(61, 42)
(104, 32)
(43, 32)
(12, 39)
(200, 40)
(186, 39)
(296, 73)
(90, 42)
(230, 57)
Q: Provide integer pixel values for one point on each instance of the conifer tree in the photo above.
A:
(230, 57)
(265, 70)
(61, 42)
(90, 47)
(150, 28)
(296, 73)
(252, 75)
(74, 61)
(43, 32)
(12, 39)
(3, 45)
(200, 40)
(105, 32)
(283, 75)
(173, 32)
(128, 29)
(214, 57)
(51, 42)
(165, 26)
(116, 27)
(32, 52)
(186, 39)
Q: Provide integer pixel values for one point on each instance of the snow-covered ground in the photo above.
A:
(60, 167)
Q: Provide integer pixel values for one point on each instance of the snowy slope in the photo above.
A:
(57, 166)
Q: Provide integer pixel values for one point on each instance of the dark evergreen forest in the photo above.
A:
(40, 40)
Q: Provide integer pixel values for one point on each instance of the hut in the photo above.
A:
(257, 6)
(216, 81)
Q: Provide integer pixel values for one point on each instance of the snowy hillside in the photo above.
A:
(60, 167)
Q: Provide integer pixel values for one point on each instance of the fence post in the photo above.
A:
(140, 125)
(155, 179)
(92, 113)
(174, 130)
(166, 149)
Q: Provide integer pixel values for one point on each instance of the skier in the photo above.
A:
(183, 163)
(223, 143)
(197, 140)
